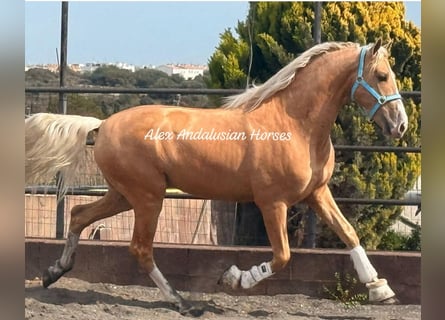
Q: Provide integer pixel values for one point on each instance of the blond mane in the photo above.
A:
(252, 98)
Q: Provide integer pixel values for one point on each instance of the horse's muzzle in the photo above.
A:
(398, 130)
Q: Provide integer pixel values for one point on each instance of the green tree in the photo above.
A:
(112, 76)
(78, 104)
(277, 32)
(146, 78)
(41, 78)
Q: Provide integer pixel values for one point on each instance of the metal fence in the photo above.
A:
(184, 218)
(181, 220)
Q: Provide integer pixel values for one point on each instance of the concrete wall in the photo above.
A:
(198, 268)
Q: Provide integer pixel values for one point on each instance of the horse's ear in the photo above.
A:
(389, 45)
(376, 46)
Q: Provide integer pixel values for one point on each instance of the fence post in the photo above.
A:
(311, 231)
(310, 234)
(60, 212)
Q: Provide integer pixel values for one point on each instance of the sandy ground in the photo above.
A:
(71, 298)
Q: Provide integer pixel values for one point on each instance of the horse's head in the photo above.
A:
(376, 91)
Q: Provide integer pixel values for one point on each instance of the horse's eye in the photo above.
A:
(382, 76)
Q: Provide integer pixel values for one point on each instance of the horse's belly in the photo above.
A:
(212, 184)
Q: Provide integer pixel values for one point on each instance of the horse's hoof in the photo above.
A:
(231, 277)
(389, 301)
(187, 309)
(53, 273)
(380, 292)
(47, 279)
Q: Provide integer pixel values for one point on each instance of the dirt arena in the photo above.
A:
(71, 298)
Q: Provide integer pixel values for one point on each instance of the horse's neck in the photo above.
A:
(315, 97)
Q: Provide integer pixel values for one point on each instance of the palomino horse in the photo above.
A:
(270, 144)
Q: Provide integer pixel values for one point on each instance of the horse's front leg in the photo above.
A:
(274, 216)
(323, 203)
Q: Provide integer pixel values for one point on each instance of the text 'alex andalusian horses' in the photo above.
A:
(270, 145)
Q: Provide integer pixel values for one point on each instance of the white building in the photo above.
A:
(88, 67)
(125, 66)
(91, 66)
(187, 71)
(50, 66)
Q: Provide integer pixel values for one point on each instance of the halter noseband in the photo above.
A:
(360, 81)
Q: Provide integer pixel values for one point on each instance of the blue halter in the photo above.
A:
(360, 81)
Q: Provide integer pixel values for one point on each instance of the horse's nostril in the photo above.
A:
(402, 128)
(398, 131)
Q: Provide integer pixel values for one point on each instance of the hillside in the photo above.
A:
(103, 105)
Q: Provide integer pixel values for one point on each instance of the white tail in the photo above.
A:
(56, 143)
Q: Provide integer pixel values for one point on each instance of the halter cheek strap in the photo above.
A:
(360, 81)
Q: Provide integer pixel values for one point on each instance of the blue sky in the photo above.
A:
(139, 33)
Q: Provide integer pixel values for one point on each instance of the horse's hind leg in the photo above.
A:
(323, 203)
(81, 217)
(146, 219)
(274, 216)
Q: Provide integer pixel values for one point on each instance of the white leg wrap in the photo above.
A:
(257, 273)
(232, 277)
(362, 265)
